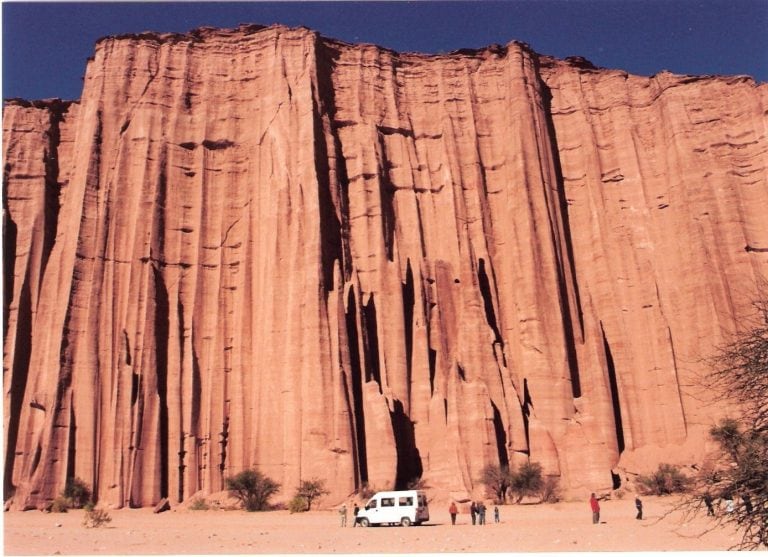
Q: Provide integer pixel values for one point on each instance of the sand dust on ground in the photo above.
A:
(565, 526)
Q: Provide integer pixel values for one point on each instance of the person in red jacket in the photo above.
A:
(453, 510)
(595, 509)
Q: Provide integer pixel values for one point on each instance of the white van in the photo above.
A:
(395, 507)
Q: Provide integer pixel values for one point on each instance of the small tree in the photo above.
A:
(550, 489)
(740, 374)
(253, 489)
(309, 490)
(526, 481)
(496, 479)
(666, 480)
(77, 493)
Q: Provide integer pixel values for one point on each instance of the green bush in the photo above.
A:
(77, 492)
(199, 504)
(526, 481)
(667, 479)
(253, 489)
(309, 490)
(298, 505)
(60, 504)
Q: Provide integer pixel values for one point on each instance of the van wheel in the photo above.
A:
(364, 522)
(405, 521)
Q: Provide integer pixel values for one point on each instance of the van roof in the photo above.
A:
(403, 492)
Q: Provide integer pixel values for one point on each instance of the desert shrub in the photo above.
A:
(60, 504)
(667, 479)
(496, 479)
(298, 505)
(526, 481)
(95, 518)
(550, 489)
(77, 492)
(309, 490)
(199, 504)
(253, 489)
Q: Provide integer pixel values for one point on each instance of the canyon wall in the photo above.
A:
(261, 247)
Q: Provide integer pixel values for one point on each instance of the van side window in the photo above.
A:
(387, 501)
(405, 502)
(371, 504)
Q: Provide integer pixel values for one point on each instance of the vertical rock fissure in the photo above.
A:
(568, 266)
(56, 111)
(223, 454)
(526, 411)
(162, 327)
(182, 451)
(501, 436)
(409, 299)
(485, 291)
(71, 442)
(19, 377)
(356, 374)
(10, 232)
(386, 199)
(371, 343)
(334, 212)
(613, 383)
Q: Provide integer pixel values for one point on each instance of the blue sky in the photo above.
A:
(45, 45)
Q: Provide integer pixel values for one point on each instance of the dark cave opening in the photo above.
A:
(409, 466)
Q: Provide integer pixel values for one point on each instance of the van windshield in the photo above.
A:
(371, 504)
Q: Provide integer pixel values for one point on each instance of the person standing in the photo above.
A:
(708, 503)
(639, 507)
(595, 505)
(343, 515)
(747, 503)
(473, 512)
(481, 512)
(496, 514)
(453, 511)
(355, 510)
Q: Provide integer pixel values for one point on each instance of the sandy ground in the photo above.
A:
(561, 527)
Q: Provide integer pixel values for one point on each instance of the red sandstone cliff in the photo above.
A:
(265, 248)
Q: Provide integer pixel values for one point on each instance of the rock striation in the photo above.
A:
(262, 247)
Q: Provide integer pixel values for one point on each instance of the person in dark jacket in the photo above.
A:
(473, 512)
(639, 507)
(708, 503)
